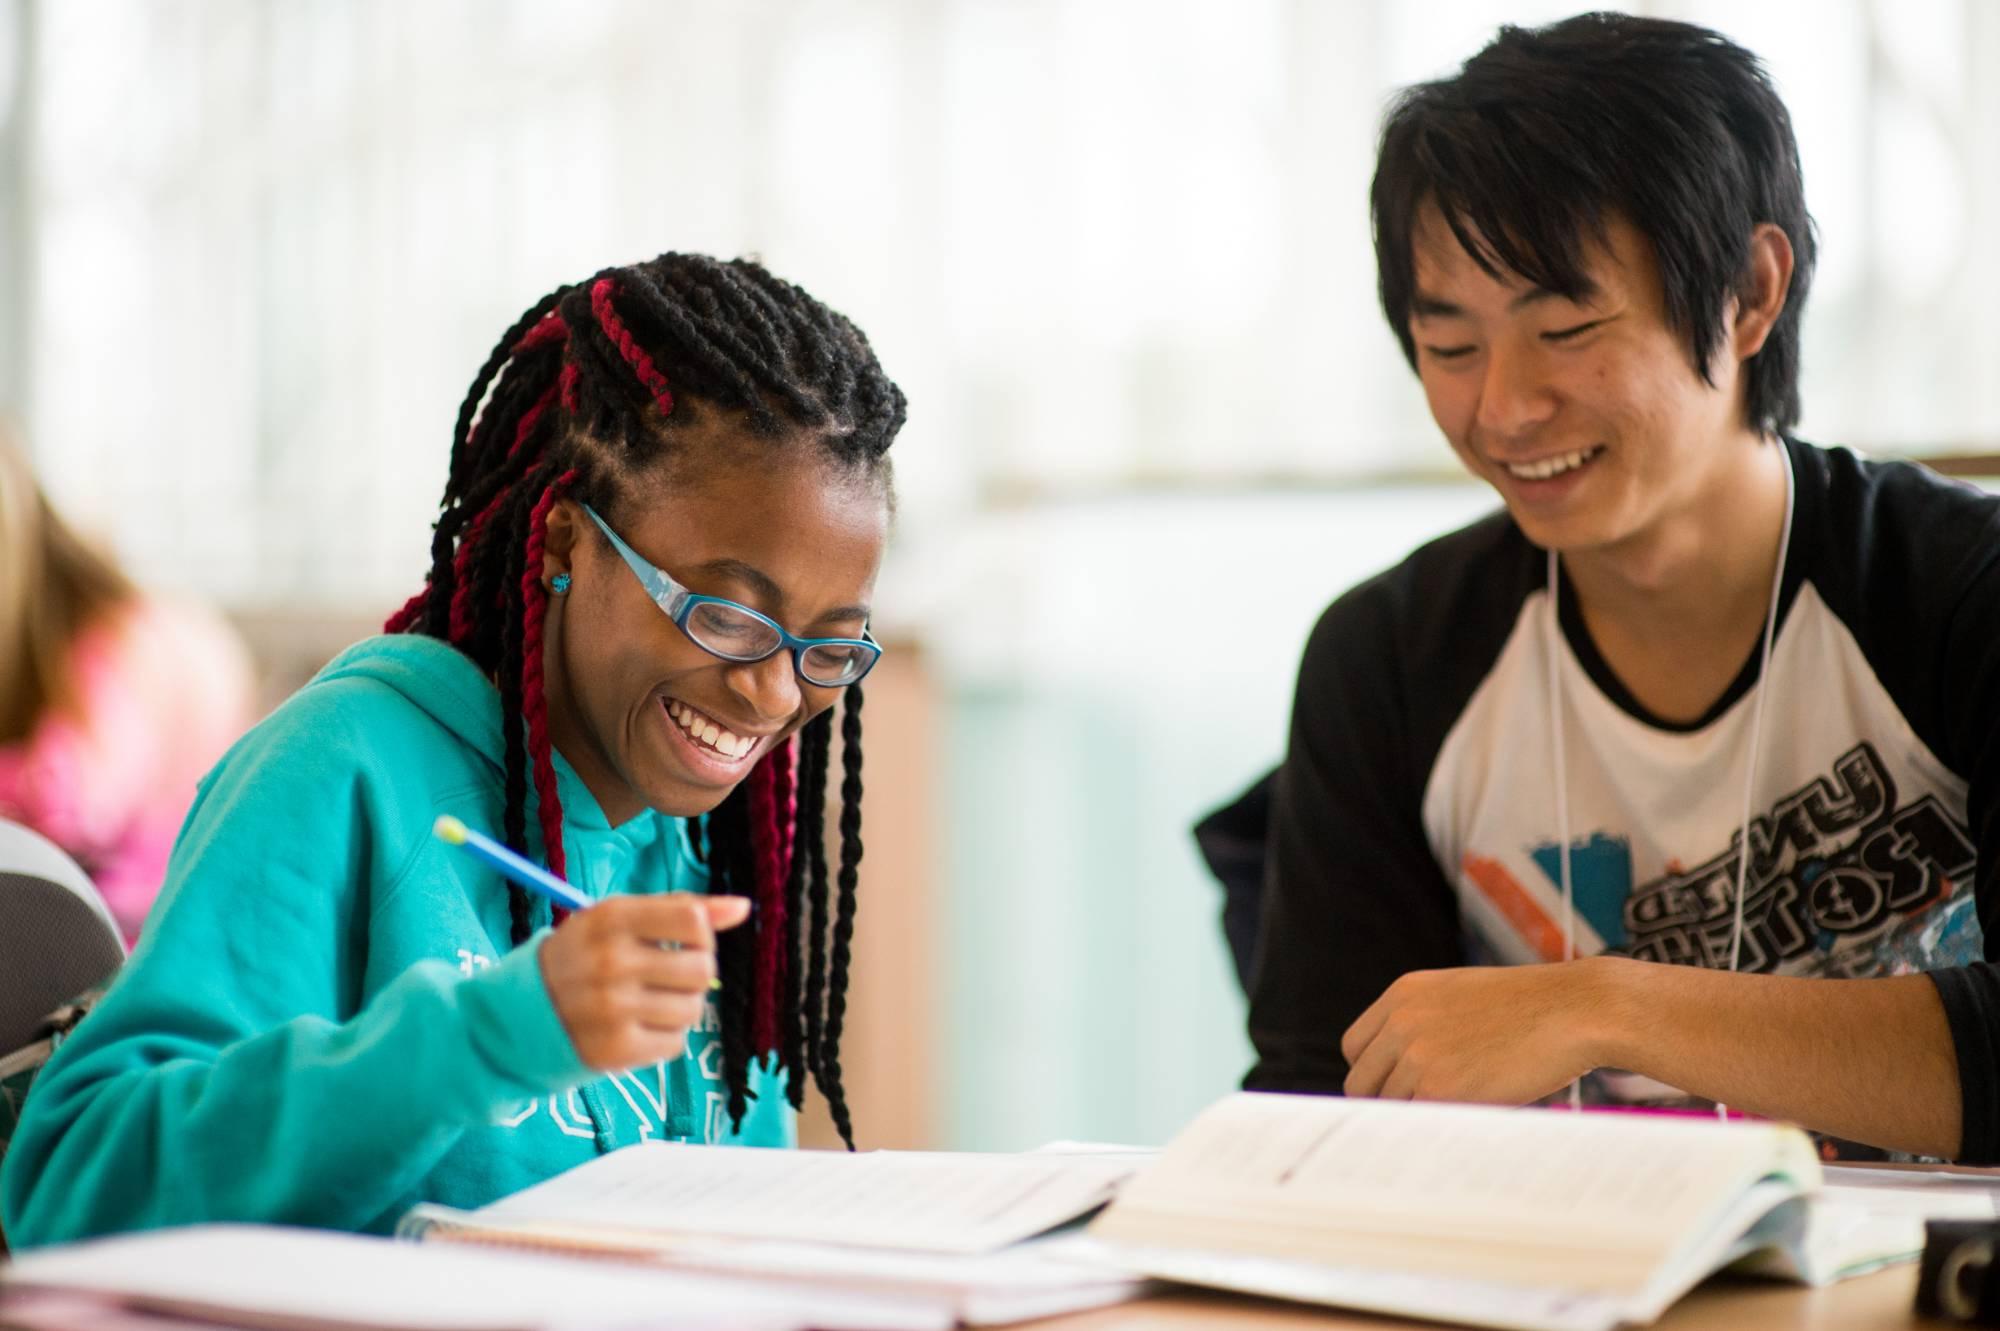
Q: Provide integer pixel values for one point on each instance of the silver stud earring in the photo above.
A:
(559, 583)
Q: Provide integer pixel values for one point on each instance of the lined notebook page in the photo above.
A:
(922, 1201)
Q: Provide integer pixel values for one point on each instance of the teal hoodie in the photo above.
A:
(324, 1023)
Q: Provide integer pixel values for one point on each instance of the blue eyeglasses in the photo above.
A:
(738, 633)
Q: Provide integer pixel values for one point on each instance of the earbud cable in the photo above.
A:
(1553, 635)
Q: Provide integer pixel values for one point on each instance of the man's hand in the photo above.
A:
(1494, 1034)
(1869, 1060)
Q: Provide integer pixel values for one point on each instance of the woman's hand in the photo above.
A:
(626, 999)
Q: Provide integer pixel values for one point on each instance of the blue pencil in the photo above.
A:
(531, 876)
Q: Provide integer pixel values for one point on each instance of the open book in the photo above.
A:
(951, 1231)
(1487, 1217)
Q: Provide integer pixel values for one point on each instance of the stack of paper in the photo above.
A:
(956, 1231)
(303, 1280)
(918, 1201)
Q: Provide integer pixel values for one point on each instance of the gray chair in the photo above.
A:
(58, 947)
(57, 939)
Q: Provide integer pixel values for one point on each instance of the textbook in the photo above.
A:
(1538, 1220)
(965, 1232)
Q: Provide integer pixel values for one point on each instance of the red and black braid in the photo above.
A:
(797, 1052)
(534, 706)
(499, 565)
(843, 912)
(817, 748)
(445, 535)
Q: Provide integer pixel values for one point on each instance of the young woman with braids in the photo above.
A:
(649, 588)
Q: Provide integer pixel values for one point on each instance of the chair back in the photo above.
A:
(57, 938)
(58, 948)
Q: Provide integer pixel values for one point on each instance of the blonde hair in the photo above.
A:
(53, 586)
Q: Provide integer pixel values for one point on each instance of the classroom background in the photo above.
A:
(1116, 252)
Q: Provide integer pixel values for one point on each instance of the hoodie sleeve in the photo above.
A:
(234, 1072)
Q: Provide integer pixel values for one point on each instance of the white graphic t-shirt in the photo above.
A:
(1414, 823)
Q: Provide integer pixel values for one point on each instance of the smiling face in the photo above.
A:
(1587, 416)
(646, 717)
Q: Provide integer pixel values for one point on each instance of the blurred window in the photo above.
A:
(1102, 244)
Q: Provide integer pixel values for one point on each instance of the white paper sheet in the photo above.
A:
(1923, 1202)
(251, 1275)
(1038, 1278)
(920, 1201)
(1911, 1184)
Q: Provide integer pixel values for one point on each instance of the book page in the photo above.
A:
(1913, 1179)
(1472, 1189)
(1852, 1227)
(1924, 1202)
(1509, 1307)
(916, 1200)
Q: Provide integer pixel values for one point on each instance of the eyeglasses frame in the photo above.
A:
(678, 603)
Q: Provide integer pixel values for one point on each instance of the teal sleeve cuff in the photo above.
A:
(513, 1026)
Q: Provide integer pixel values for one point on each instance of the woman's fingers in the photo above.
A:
(631, 976)
(686, 971)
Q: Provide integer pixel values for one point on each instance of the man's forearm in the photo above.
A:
(1868, 1060)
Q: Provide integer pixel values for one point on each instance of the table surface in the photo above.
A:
(1870, 1303)
(1867, 1303)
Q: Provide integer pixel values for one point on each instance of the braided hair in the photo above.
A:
(582, 391)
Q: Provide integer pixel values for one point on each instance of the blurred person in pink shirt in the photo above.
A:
(113, 702)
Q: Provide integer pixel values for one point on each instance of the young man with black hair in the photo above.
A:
(1506, 846)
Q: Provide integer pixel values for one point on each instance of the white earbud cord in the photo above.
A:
(1553, 635)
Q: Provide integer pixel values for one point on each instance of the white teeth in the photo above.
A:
(725, 742)
(1544, 468)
